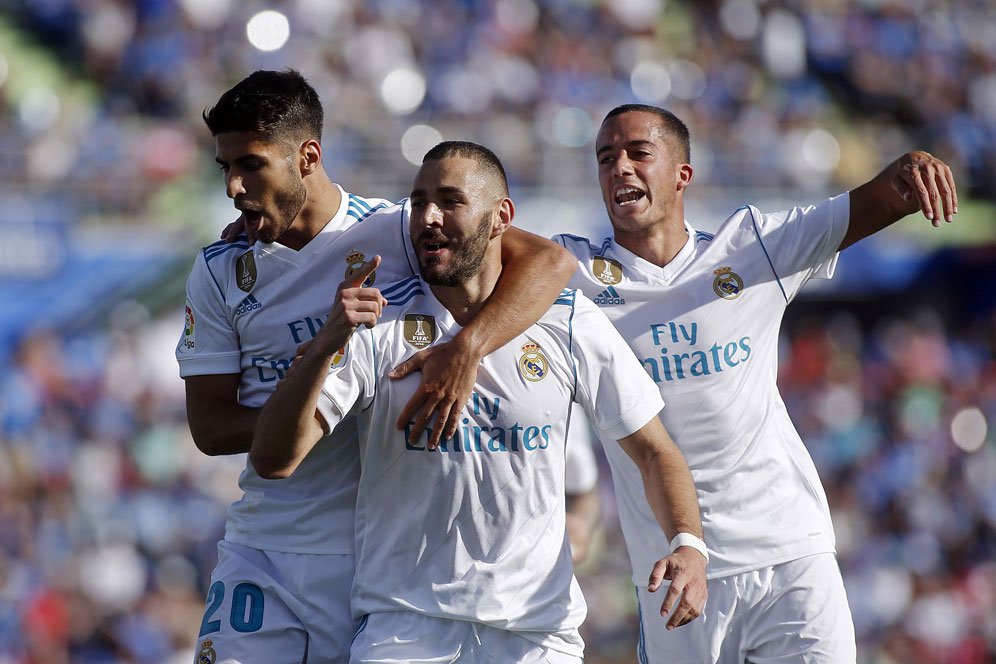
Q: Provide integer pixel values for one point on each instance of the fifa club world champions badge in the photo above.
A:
(533, 364)
(420, 330)
(727, 284)
(606, 270)
(245, 271)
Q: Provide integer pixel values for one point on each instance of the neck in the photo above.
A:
(658, 244)
(465, 300)
(324, 199)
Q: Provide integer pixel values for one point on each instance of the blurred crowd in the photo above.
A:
(813, 94)
(110, 515)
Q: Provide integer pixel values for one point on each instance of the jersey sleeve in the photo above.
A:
(350, 385)
(802, 242)
(385, 232)
(208, 344)
(581, 473)
(583, 251)
(617, 394)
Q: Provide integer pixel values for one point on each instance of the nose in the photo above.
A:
(432, 215)
(622, 165)
(233, 185)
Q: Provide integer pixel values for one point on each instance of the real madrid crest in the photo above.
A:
(727, 284)
(245, 271)
(533, 364)
(354, 261)
(420, 330)
(207, 654)
(606, 270)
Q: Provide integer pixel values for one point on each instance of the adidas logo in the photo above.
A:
(608, 297)
(248, 304)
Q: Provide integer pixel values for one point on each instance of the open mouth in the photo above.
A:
(628, 195)
(252, 218)
(434, 248)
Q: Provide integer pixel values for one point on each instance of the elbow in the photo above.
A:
(269, 468)
(209, 445)
(563, 263)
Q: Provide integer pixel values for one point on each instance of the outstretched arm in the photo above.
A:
(915, 181)
(288, 426)
(671, 494)
(535, 271)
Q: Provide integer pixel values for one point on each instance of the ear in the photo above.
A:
(503, 219)
(310, 157)
(685, 173)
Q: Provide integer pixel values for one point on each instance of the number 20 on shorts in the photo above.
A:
(247, 608)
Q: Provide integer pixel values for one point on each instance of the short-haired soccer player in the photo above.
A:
(702, 312)
(461, 550)
(280, 590)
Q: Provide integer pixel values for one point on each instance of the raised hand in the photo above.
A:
(922, 178)
(352, 306)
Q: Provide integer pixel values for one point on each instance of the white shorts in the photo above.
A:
(794, 612)
(406, 637)
(271, 607)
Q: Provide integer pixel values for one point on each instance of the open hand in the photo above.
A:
(449, 373)
(686, 569)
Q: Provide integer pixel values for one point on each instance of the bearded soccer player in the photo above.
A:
(702, 313)
(461, 550)
(280, 591)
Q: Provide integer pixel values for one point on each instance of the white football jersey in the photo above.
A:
(248, 309)
(705, 328)
(476, 530)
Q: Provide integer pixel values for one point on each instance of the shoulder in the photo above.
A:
(563, 308)
(359, 208)
(225, 252)
(581, 247)
(399, 294)
(218, 260)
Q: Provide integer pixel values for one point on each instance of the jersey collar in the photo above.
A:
(674, 266)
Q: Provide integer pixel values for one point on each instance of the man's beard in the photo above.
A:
(466, 258)
(288, 205)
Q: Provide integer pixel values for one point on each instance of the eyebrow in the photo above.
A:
(639, 143)
(441, 190)
(244, 158)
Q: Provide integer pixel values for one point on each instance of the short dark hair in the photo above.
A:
(485, 158)
(670, 123)
(274, 104)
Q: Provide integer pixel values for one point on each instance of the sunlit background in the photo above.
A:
(108, 514)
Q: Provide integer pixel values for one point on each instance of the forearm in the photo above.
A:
(874, 206)
(287, 428)
(671, 493)
(534, 273)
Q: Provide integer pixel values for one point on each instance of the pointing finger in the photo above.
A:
(357, 279)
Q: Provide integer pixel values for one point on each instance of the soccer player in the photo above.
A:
(461, 550)
(702, 312)
(280, 590)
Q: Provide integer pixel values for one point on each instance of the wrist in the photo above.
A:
(468, 343)
(691, 541)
